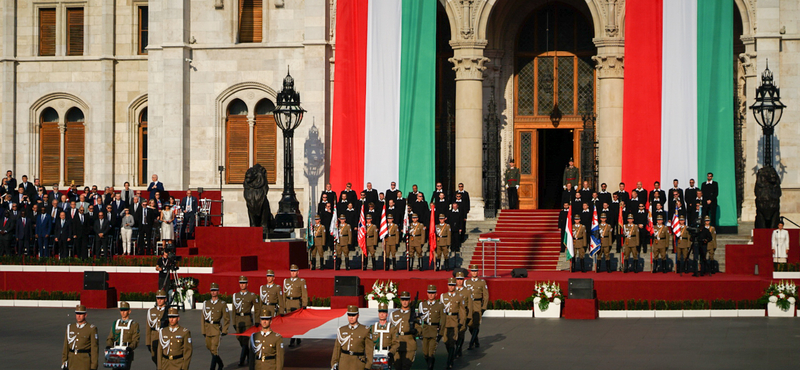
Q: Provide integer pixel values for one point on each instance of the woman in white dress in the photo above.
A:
(166, 226)
(780, 244)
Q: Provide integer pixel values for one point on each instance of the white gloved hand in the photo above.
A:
(565, 187)
(517, 186)
(576, 187)
(506, 186)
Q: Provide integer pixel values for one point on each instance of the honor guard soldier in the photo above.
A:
(466, 301)
(630, 233)
(243, 303)
(432, 319)
(391, 241)
(416, 238)
(712, 246)
(382, 332)
(571, 175)
(343, 245)
(372, 244)
(124, 333)
(405, 344)
(156, 319)
(80, 343)
(174, 344)
(442, 244)
(216, 320)
(512, 184)
(319, 242)
(353, 348)
(480, 301)
(455, 318)
(296, 294)
(266, 345)
(579, 243)
(660, 243)
(271, 295)
(605, 243)
(683, 243)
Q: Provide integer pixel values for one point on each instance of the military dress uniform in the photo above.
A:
(174, 346)
(512, 182)
(353, 348)
(712, 247)
(442, 244)
(216, 320)
(271, 296)
(455, 318)
(391, 241)
(466, 301)
(343, 245)
(579, 239)
(605, 244)
(432, 319)
(383, 334)
(660, 243)
(631, 234)
(243, 305)
(80, 345)
(156, 316)
(372, 244)
(319, 242)
(266, 346)
(572, 175)
(295, 296)
(480, 302)
(124, 334)
(683, 245)
(405, 345)
(416, 239)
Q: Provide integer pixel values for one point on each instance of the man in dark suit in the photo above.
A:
(413, 195)
(62, 233)
(420, 207)
(391, 192)
(149, 215)
(641, 218)
(657, 193)
(27, 187)
(568, 194)
(352, 197)
(43, 227)
(586, 192)
(331, 195)
(710, 193)
(604, 195)
(675, 188)
(80, 228)
(102, 240)
(457, 220)
(370, 194)
(435, 196)
(400, 203)
(640, 194)
(8, 226)
(465, 207)
(462, 204)
(24, 233)
(189, 205)
(392, 209)
(155, 186)
(623, 195)
(118, 207)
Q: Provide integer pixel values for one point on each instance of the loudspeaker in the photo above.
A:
(581, 288)
(346, 286)
(95, 280)
(519, 273)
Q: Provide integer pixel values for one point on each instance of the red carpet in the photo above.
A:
(528, 239)
(298, 322)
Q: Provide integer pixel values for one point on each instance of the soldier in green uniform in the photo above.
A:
(416, 239)
(466, 301)
(712, 246)
(266, 345)
(405, 344)
(479, 292)
(174, 344)
(572, 175)
(243, 303)
(353, 347)
(432, 321)
(343, 245)
(124, 332)
(605, 243)
(442, 244)
(512, 184)
(271, 295)
(579, 239)
(390, 243)
(296, 294)
(631, 234)
(455, 318)
(372, 244)
(683, 245)
(156, 319)
(660, 242)
(319, 243)
(80, 343)
(383, 332)
(216, 320)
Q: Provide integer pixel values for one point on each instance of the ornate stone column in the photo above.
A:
(610, 72)
(251, 123)
(62, 154)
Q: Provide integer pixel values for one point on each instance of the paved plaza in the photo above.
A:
(33, 338)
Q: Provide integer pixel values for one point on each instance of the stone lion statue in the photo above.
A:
(256, 187)
(768, 198)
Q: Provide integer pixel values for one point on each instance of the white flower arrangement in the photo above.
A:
(782, 294)
(544, 293)
(382, 292)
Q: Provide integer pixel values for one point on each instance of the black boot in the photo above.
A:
(625, 266)
(347, 264)
(636, 266)
(656, 265)
(608, 266)
(313, 263)
(420, 264)
(243, 356)
(220, 365)
(336, 263)
(574, 264)
(432, 362)
(394, 263)
(321, 263)
(583, 265)
(664, 264)
(686, 266)
(364, 263)
(213, 362)
(374, 264)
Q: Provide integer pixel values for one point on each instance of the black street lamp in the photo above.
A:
(555, 115)
(589, 143)
(288, 115)
(768, 110)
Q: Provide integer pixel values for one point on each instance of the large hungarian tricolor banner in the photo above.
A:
(384, 93)
(678, 106)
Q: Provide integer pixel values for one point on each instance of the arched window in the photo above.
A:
(250, 20)
(143, 147)
(75, 147)
(237, 135)
(49, 147)
(266, 138)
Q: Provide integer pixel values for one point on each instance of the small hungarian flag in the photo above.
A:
(570, 248)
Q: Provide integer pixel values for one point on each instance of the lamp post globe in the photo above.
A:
(288, 115)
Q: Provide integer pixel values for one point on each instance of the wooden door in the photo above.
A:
(525, 158)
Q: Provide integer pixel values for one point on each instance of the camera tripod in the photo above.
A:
(173, 293)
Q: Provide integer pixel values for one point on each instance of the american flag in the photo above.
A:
(362, 233)
(384, 223)
(594, 239)
(676, 226)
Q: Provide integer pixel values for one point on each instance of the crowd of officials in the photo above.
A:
(35, 221)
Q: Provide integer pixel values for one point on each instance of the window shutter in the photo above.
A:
(49, 152)
(237, 143)
(250, 20)
(266, 141)
(75, 152)
(75, 31)
(144, 25)
(47, 32)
